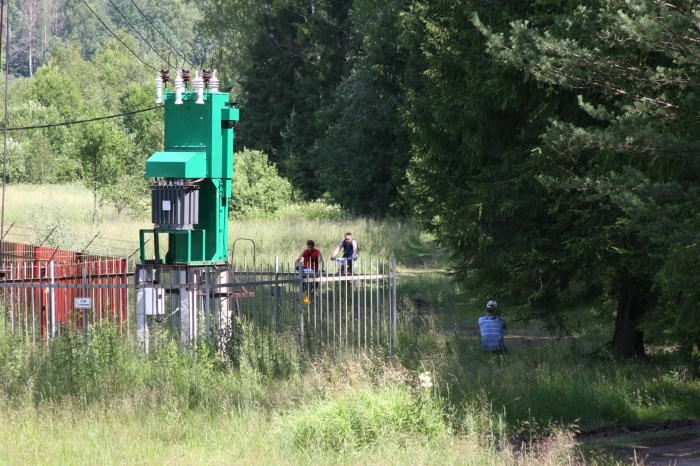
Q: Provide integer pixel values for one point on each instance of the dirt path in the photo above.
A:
(673, 443)
(520, 338)
(669, 443)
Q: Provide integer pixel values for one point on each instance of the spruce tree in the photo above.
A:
(624, 177)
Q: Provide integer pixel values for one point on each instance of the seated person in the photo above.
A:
(312, 260)
(350, 251)
(492, 327)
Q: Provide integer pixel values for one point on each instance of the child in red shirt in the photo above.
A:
(313, 260)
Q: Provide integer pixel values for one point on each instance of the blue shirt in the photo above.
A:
(348, 248)
(492, 333)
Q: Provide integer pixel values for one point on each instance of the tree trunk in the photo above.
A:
(628, 340)
(94, 205)
(31, 55)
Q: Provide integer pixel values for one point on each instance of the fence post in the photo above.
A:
(208, 290)
(180, 280)
(301, 311)
(85, 310)
(51, 300)
(371, 306)
(277, 293)
(141, 327)
(393, 306)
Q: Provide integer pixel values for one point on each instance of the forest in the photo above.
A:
(551, 147)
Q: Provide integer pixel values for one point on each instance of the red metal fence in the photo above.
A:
(39, 285)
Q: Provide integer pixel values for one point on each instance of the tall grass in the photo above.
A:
(178, 404)
(63, 214)
(103, 401)
(287, 238)
(560, 381)
(68, 209)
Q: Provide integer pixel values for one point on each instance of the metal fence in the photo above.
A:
(44, 291)
(244, 309)
(240, 309)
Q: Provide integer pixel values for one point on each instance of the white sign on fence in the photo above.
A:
(82, 303)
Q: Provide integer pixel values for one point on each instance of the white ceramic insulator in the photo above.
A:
(214, 83)
(159, 89)
(179, 88)
(199, 87)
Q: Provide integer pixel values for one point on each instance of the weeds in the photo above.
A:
(439, 401)
(361, 418)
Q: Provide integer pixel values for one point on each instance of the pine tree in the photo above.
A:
(628, 176)
(474, 183)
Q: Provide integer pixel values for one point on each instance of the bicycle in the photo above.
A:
(344, 265)
(308, 273)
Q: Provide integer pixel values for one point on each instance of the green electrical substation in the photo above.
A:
(192, 178)
(190, 190)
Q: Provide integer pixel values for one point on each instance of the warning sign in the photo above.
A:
(82, 303)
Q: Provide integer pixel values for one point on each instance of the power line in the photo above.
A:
(75, 122)
(138, 33)
(161, 34)
(116, 37)
(4, 133)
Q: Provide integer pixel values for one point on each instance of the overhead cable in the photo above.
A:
(161, 34)
(75, 122)
(138, 33)
(117, 37)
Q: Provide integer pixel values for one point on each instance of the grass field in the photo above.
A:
(107, 403)
(64, 215)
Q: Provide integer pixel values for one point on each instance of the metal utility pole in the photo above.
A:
(4, 132)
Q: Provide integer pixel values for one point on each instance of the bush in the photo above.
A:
(314, 210)
(257, 190)
(354, 419)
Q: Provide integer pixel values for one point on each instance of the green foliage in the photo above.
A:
(145, 128)
(52, 227)
(128, 192)
(322, 96)
(592, 390)
(103, 153)
(471, 175)
(73, 367)
(106, 153)
(360, 159)
(311, 211)
(557, 171)
(105, 368)
(15, 360)
(60, 84)
(39, 25)
(622, 169)
(345, 407)
(358, 419)
(257, 189)
(294, 56)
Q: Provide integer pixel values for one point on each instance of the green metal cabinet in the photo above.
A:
(197, 155)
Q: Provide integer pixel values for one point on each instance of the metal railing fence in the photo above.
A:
(240, 308)
(253, 309)
(38, 296)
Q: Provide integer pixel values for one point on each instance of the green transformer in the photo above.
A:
(192, 178)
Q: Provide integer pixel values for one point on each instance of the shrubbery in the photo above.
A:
(362, 417)
(258, 190)
(314, 210)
